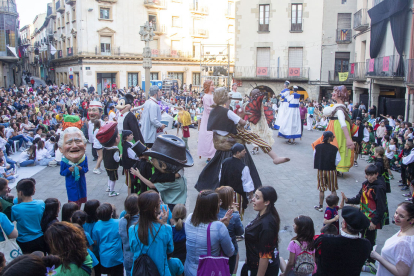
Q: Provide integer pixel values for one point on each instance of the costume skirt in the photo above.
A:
(208, 178)
(112, 175)
(327, 180)
(347, 155)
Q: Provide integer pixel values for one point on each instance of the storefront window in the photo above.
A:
(105, 80)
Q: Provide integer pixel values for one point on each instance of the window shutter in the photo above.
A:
(344, 20)
(295, 57)
(263, 61)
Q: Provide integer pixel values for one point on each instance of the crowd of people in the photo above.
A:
(156, 234)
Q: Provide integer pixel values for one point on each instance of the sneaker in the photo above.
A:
(400, 181)
(108, 190)
(409, 199)
(113, 193)
(405, 188)
(370, 268)
(18, 164)
(16, 176)
(355, 164)
(318, 208)
(407, 195)
(97, 171)
(29, 143)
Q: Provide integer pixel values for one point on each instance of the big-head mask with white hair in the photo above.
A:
(72, 144)
(153, 92)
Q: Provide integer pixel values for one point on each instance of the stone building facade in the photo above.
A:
(306, 42)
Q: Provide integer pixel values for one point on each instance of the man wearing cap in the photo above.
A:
(151, 117)
(361, 136)
(94, 113)
(345, 254)
(283, 105)
(236, 174)
(326, 158)
(108, 136)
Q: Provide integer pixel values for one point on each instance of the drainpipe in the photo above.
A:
(409, 67)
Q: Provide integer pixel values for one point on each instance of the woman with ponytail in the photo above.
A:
(131, 218)
(262, 235)
(178, 227)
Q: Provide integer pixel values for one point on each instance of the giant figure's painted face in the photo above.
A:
(94, 113)
(73, 147)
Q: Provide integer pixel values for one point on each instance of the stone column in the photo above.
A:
(147, 35)
(375, 92)
(357, 95)
(409, 104)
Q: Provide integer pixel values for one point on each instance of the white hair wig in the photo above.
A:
(68, 131)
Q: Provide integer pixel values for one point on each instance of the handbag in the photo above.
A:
(212, 265)
(9, 248)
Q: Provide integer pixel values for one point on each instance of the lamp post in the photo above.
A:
(147, 35)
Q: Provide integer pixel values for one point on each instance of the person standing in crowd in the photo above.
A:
(310, 117)
(205, 138)
(360, 136)
(235, 95)
(236, 174)
(262, 235)
(303, 111)
(204, 215)
(326, 158)
(151, 117)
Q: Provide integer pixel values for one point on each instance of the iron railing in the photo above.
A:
(156, 3)
(60, 53)
(343, 36)
(197, 8)
(199, 33)
(385, 67)
(158, 28)
(358, 71)
(361, 20)
(335, 78)
(69, 51)
(252, 72)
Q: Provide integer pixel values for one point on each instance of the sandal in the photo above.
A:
(289, 142)
(318, 208)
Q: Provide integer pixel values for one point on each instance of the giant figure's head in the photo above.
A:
(72, 144)
(95, 110)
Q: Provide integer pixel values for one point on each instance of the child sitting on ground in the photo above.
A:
(178, 227)
(175, 265)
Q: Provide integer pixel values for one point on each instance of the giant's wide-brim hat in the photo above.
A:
(171, 149)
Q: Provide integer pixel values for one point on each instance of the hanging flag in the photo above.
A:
(344, 34)
(352, 68)
(385, 64)
(343, 76)
(52, 50)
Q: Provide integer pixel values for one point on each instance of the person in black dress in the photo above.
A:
(262, 235)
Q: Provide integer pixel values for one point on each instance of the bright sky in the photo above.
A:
(28, 9)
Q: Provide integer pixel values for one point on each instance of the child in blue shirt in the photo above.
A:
(28, 215)
(178, 228)
(106, 236)
(175, 265)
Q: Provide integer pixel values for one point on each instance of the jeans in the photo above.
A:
(44, 161)
(27, 163)
(21, 139)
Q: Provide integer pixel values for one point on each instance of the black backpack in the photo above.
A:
(144, 265)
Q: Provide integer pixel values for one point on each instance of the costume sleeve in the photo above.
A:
(408, 159)
(337, 158)
(403, 253)
(116, 156)
(64, 169)
(341, 118)
(247, 180)
(132, 154)
(356, 199)
(366, 135)
(233, 116)
(381, 200)
(84, 166)
(153, 116)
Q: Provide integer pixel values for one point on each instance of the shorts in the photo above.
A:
(327, 180)
(112, 175)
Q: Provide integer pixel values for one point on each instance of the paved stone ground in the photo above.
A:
(295, 183)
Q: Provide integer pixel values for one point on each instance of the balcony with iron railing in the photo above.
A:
(338, 78)
(159, 29)
(154, 4)
(343, 36)
(358, 71)
(155, 53)
(361, 20)
(385, 67)
(200, 33)
(271, 73)
(60, 6)
(8, 6)
(199, 9)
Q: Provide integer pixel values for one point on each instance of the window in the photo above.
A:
(262, 61)
(154, 76)
(341, 62)
(295, 57)
(106, 45)
(264, 11)
(104, 13)
(176, 21)
(177, 76)
(196, 49)
(296, 17)
(105, 80)
(196, 79)
(152, 19)
(132, 79)
(344, 32)
(344, 21)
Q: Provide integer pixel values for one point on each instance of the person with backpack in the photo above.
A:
(151, 239)
(302, 253)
